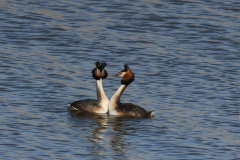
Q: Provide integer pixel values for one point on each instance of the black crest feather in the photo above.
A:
(97, 64)
(126, 67)
(100, 66)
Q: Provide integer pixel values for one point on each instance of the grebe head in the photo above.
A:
(126, 74)
(99, 71)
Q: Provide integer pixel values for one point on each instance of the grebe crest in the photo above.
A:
(126, 109)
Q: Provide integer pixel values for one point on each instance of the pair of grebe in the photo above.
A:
(114, 106)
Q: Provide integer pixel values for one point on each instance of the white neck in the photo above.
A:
(101, 97)
(115, 100)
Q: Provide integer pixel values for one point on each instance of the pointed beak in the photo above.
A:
(114, 75)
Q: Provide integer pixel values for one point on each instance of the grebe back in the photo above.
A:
(90, 105)
(126, 109)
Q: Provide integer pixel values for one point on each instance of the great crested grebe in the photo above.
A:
(126, 109)
(90, 105)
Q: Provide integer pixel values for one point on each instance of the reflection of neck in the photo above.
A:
(115, 100)
(101, 97)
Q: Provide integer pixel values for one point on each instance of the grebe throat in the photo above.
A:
(115, 100)
(101, 97)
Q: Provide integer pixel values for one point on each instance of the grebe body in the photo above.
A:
(126, 109)
(90, 105)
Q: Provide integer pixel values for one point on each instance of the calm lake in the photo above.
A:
(185, 55)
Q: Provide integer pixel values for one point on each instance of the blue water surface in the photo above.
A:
(185, 56)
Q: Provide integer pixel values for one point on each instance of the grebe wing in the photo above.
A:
(131, 108)
(86, 105)
(134, 110)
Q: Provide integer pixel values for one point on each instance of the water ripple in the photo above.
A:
(185, 56)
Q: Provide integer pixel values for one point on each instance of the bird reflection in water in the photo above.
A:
(109, 135)
(92, 128)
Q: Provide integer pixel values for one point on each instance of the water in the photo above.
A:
(185, 56)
